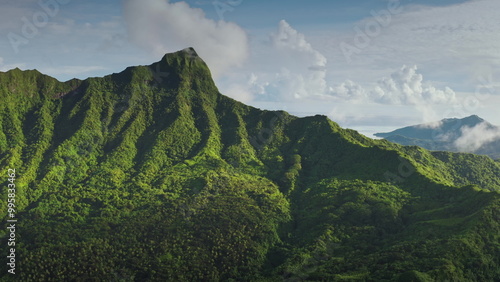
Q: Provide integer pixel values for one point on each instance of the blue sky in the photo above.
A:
(371, 65)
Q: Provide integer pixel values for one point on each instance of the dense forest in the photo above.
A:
(152, 175)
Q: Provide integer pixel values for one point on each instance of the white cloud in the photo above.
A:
(349, 91)
(433, 125)
(473, 138)
(162, 27)
(290, 40)
(406, 87)
(289, 68)
(303, 67)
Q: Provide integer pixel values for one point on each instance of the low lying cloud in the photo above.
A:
(473, 138)
(161, 27)
(431, 125)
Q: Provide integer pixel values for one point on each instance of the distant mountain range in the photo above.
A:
(471, 134)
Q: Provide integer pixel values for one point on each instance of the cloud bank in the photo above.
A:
(161, 27)
(473, 138)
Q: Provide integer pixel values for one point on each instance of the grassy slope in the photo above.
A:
(131, 176)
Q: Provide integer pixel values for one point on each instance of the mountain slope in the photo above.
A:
(471, 134)
(152, 175)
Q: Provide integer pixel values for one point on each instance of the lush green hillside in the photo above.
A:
(153, 175)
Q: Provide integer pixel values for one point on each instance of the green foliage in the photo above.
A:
(152, 175)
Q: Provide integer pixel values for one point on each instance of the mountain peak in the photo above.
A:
(186, 53)
(181, 67)
(473, 119)
(184, 59)
(190, 51)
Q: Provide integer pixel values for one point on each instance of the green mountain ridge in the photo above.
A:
(152, 175)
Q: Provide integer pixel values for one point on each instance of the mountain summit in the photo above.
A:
(151, 174)
(470, 134)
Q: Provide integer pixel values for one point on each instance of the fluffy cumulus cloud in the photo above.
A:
(161, 27)
(403, 87)
(473, 138)
(406, 87)
(349, 91)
